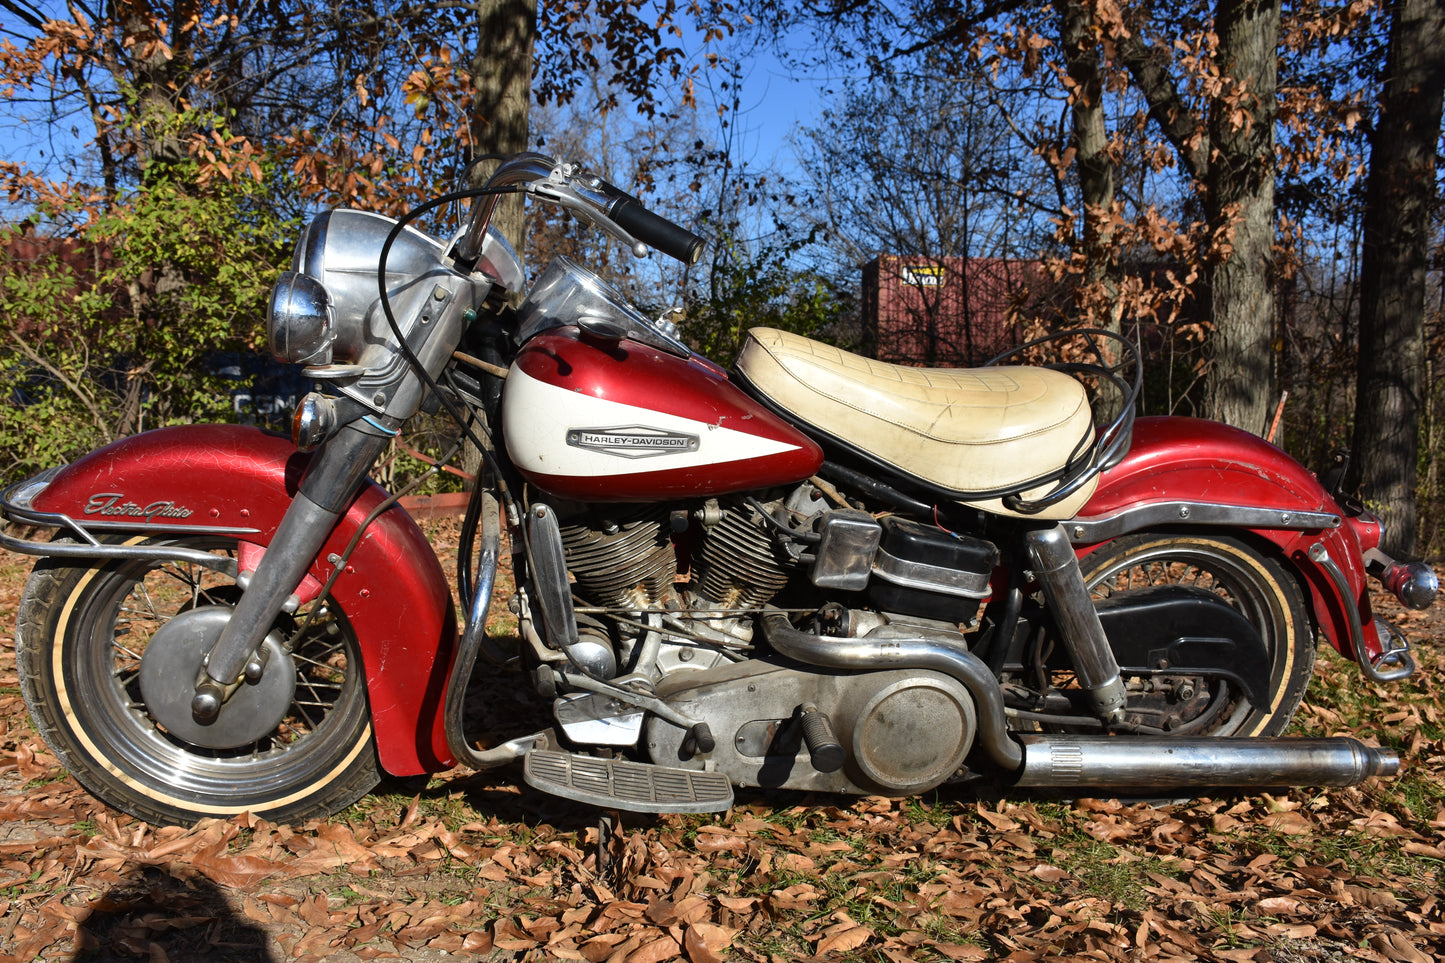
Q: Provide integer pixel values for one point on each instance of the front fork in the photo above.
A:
(335, 475)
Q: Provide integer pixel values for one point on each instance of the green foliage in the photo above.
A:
(44, 415)
(112, 331)
(761, 288)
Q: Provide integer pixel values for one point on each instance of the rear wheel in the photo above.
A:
(1255, 584)
(82, 634)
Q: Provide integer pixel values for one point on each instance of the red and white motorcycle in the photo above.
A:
(814, 571)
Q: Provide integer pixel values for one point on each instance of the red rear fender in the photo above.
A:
(1190, 460)
(232, 480)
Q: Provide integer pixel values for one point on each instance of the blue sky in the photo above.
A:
(774, 107)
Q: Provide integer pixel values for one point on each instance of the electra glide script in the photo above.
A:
(813, 571)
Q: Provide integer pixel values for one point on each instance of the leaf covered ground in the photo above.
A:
(474, 866)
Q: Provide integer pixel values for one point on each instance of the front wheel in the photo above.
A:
(1257, 585)
(81, 636)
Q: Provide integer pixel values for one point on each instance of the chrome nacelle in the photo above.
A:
(326, 308)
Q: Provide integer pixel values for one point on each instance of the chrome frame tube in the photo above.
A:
(144, 553)
(90, 546)
(1101, 528)
(1404, 662)
(473, 637)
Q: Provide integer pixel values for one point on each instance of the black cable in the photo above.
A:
(481, 159)
(411, 359)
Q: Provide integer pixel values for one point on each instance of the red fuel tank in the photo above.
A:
(601, 420)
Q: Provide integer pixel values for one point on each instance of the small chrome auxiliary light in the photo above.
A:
(1413, 583)
(313, 421)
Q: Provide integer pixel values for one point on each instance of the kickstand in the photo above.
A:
(606, 829)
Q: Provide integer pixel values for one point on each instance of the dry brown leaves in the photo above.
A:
(486, 869)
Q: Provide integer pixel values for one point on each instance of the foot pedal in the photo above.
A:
(634, 786)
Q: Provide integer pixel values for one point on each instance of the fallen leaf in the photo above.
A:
(1397, 946)
(695, 944)
(848, 938)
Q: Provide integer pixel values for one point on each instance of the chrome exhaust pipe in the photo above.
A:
(1159, 762)
(1106, 763)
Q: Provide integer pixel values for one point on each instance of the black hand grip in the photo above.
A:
(656, 231)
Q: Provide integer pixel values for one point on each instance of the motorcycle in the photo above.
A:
(813, 571)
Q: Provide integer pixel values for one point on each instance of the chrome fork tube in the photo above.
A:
(326, 491)
(1057, 569)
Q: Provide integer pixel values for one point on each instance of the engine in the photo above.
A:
(678, 586)
(625, 562)
(669, 598)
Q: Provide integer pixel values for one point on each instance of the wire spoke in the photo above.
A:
(319, 659)
(153, 595)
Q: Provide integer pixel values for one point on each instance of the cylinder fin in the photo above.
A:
(627, 562)
(740, 566)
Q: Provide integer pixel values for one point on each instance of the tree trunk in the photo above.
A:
(1240, 204)
(1399, 198)
(1096, 169)
(502, 95)
(501, 72)
(158, 55)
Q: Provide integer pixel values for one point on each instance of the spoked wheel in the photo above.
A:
(1257, 585)
(82, 635)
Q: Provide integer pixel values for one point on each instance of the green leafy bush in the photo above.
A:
(113, 329)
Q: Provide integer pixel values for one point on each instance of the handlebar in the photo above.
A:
(656, 231)
(517, 169)
(609, 207)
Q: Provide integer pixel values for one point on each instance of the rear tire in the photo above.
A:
(1256, 584)
(80, 636)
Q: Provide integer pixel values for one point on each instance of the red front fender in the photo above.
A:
(232, 480)
(1190, 460)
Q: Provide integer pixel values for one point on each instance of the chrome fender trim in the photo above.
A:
(1091, 530)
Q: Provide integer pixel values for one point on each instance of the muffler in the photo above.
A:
(1106, 763)
(1159, 762)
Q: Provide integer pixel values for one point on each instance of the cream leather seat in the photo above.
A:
(963, 430)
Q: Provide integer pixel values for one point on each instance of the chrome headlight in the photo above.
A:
(298, 320)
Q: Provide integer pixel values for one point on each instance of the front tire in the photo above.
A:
(81, 634)
(1256, 584)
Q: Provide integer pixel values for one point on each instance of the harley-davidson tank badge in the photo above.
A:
(632, 441)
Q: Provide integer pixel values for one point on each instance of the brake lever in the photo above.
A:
(586, 196)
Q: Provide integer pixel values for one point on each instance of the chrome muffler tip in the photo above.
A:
(1114, 763)
(1383, 762)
